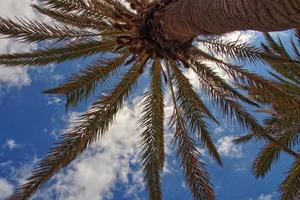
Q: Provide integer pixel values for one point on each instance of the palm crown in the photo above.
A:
(86, 28)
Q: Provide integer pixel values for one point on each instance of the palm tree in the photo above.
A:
(284, 121)
(138, 39)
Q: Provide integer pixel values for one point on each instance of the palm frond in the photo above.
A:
(270, 153)
(92, 124)
(286, 118)
(119, 6)
(196, 175)
(241, 52)
(194, 170)
(56, 55)
(211, 81)
(74, 19)
(290, 187)
(265, 159)
(244, 138)
(152, 138)
(92, 8)
(282, 127)
(80, 86)
(67, 5)
(37, 31)
(195, 110)
(236, 111)
(112, 10)
(223, 95)
(241, 75)
(289, 70)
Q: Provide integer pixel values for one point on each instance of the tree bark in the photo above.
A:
(185, 19)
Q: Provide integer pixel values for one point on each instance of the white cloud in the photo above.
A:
(6, 189)
(15, 77)
(241, 168)
(54, 133)
(17, 8)
(265, 197)
(16, 175)
(54, 100)
(241, 36)
(11, 144)
(94, 174)
(219, 130)
(109, 161)
(5, 163)
(227, 148)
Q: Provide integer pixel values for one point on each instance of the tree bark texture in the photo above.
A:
(185, 19)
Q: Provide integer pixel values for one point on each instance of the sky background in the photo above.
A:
(30, 123)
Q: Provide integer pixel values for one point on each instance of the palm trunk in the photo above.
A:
(185, 19)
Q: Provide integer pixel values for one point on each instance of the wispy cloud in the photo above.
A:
(227, 148)
(265, 197)
(6, 189)
(11, 144)
(54, 100)
(219, 130)
(15, 176)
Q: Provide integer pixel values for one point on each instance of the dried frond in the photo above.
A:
(152, 138)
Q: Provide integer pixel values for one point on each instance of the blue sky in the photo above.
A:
(30, 123)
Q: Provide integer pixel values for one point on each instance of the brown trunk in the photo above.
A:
(185, 19)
